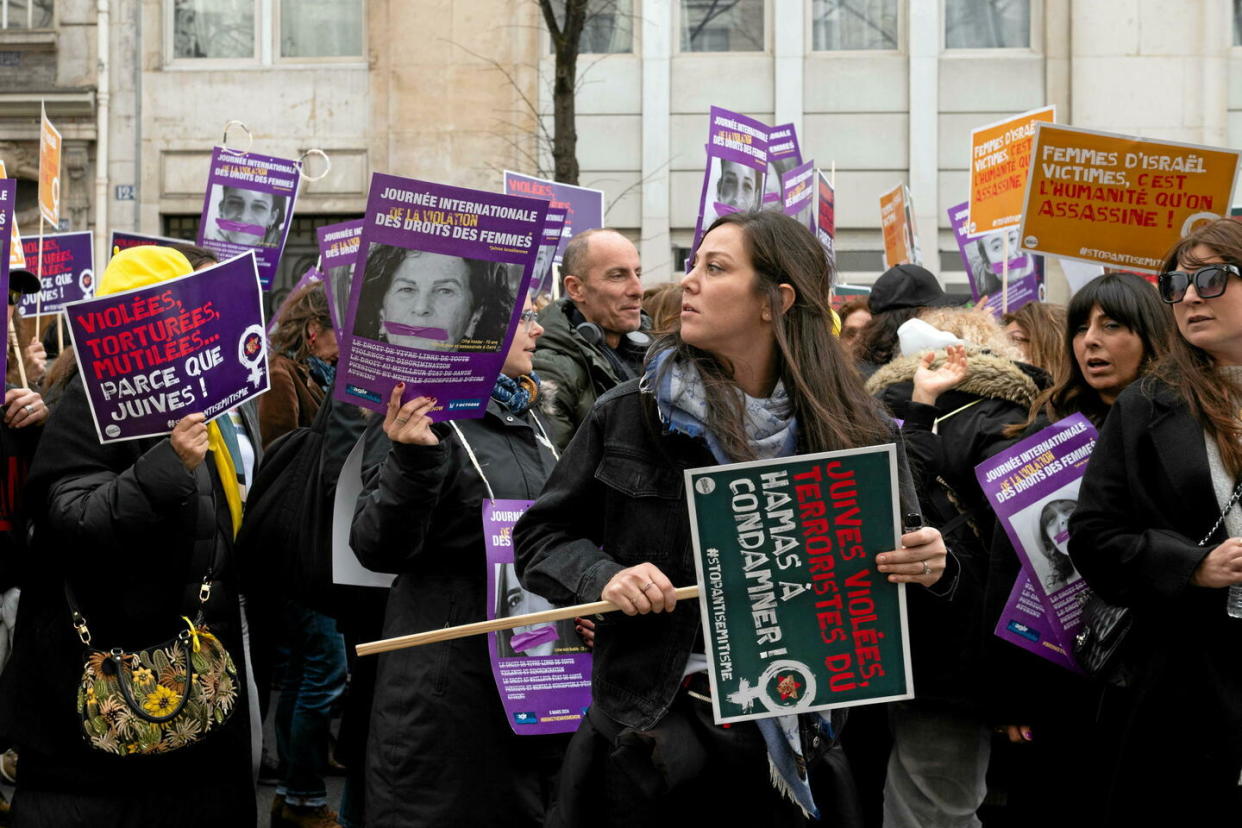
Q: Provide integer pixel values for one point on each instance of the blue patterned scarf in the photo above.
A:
(517, 395)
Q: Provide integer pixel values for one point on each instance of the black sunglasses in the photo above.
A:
(1209, 282)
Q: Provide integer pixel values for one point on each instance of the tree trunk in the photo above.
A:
(566, 39)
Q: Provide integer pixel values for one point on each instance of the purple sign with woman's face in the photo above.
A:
(1033, 488)
(338, 251)
(150, 356)
(67, 274)
(543, 671)
(545, 264)
(249, 206)
(442, 276)
(798, 194)
(783, 155)
(737, 161)
(983, 258)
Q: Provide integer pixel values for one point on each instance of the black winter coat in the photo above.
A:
(617, 499)
(1145, 502)
(948, 638)
(119, 521)
(441, 750)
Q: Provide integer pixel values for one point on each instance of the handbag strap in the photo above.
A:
(1233, 498)
(205, 548)
(478, 467)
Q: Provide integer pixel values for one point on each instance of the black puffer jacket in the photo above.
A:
(119, 521)
(441, 750)
(945, 443)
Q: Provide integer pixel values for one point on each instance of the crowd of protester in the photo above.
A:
(605, 396)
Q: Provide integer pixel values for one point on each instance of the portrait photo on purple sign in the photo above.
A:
(435, 302)
(246, 217)
(548, 638)
(731, 187)
(1044, 529)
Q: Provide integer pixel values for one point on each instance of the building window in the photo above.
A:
(1237, 22)
(987, 24)
(608, 29)
(320, 28)
(839, 25)
(213, 28)
(722, 26)
(237, 29)
(25, 14)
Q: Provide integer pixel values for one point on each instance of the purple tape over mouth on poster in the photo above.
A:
(434, 256)
(68, 271)
(1033, 488)
(981, 258)
(543, 672)
(149, 357)
(248, 206)
(338, 251)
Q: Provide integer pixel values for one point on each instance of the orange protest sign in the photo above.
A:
(49, 171)
(897, 221)
(1000, 156)
(1117, 200)
(17, 259)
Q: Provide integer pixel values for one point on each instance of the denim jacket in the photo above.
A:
(616, 499)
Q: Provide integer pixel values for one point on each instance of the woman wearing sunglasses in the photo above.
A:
(1148, 534)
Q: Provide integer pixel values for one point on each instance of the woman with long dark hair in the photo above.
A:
(752, 373)
(1158, 530)
(1116, 329)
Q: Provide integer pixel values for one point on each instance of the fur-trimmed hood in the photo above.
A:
(987, 376)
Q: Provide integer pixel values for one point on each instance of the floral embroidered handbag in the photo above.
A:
(160, 698)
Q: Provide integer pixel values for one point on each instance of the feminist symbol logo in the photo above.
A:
(251, 351)
(786, 686)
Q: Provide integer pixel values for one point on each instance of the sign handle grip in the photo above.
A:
(387, 645)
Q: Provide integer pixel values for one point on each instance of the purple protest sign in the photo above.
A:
(8, 200)
(737, 160)
(826, 215)
(545, 267)
(983, 257)
(583, 206)
(249, 206)
(783, 155)
(310, 277)
(338, 250)
(442, 275)
(68, 272)
(1033, 488)
(543, 671)
(798, 194)
(152, 355)
(123, 240)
